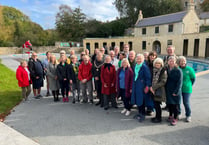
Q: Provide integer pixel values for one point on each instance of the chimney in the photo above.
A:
(190, 5)
(140, 17)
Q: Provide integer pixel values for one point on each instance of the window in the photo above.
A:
(96, 45)
(144, 31)
(144, 45)
(169, 42)
(156, 30)
(170, 28)
(185, 4)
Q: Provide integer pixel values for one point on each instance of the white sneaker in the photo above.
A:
(188, 119)
(123, 111)
(128, 113)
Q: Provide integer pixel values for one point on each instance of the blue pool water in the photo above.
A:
(198, 66)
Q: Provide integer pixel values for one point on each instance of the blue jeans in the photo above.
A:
(186, 102)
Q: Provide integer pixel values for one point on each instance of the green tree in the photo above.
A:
(205, 6)
(130, 8)
(70, 23)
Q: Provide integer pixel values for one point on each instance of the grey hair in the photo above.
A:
(182, 57)
(160, 60)
(125, 59)
(172, 57)
(171, 46)
(139, 54)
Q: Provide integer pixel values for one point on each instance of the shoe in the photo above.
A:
(91, 102)
(170, 118)
(188, 119)
(98, 103)
(149, 113)
(140, 118)
(47, 94)
(66, 99)
(73, 101)
(106, 108)
(179, 117)
(63, 99)
(37, 97)
(174, 122)
(123, 111)
(128, 113)
(156, 120)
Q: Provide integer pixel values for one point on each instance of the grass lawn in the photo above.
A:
(10, 93)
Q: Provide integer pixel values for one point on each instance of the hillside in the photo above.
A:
(16, 28)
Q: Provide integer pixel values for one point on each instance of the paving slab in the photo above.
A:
(50, 123)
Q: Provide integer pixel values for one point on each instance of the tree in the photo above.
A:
(205, 6)
(70, 23)
(130, 8)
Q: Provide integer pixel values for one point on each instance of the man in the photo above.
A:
(170, 52)
(96, 72)
(117, 50)
(146, 56)
(114, 61)
(28, 45)
(126, 50)
(131, 58)
(36, 69)
(45, 64)
(102, 50)
(85, 77)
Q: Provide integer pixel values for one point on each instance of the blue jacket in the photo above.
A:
(143, 80)
(173, 86)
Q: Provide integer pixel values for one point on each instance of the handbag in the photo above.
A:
(158, 92)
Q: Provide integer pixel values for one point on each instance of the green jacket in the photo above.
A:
(188, 78)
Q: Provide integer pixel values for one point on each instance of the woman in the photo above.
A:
(159, 79)
(173, 89)
(149, 100)
(188, 81)
(141, 84)
(124, 85)
(62, 74)
(108, 79)
(96, 72)
(52, 76)
(24, 80)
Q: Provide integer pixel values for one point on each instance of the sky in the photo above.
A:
(44, 12)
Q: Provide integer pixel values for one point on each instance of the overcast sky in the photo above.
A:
(43, 12)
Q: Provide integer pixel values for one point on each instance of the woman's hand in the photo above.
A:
(146, 89)
(151, 90)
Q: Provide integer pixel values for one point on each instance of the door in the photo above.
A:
(88, 46)
(185, 47)
(196, 47)
(207, 48)
(156, 46)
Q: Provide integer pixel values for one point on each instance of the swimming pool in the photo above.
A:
(198, 66)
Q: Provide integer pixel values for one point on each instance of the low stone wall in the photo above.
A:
(40, 49)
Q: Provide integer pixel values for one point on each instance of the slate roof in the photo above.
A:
(204, 15)
(163, 19)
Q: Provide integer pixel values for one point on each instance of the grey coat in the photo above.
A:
(51, 74)
(161, 85)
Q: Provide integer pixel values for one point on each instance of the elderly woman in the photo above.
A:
(141, 84)
(108, 79)
(24, 80)
(188, 81)
(159, 79)
(124, 85)
(52, 76)
(173, 89)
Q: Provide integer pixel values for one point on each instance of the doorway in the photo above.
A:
(156, 46)
(185, 47)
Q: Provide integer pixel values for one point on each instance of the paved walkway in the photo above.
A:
(50, 123)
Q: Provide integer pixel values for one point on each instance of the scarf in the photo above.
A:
(137, 69)
(156, 75)
(107, 65)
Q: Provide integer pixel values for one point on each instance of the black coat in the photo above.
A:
(32, 68)
(62, 71)
(96, 68)
(72, 75)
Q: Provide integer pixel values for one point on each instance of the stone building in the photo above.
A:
(181, 29)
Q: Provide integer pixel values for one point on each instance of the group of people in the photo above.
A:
(142, 80)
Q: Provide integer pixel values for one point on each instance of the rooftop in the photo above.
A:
(163, 19)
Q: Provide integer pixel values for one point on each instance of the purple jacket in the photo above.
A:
(128, 81)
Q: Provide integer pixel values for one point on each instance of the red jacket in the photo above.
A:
(22, 77)
(108, 77)
(84, 71)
